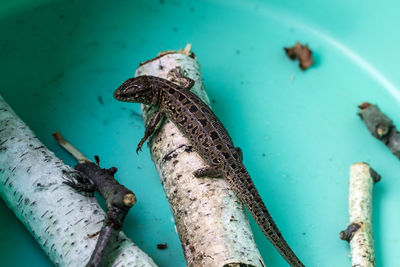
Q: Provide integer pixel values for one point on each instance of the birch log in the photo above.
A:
(61, 220)
(359, 231)
(211, 222)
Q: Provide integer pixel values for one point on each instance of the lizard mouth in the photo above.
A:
(117, 94)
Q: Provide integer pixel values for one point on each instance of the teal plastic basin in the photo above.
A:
(61, 60)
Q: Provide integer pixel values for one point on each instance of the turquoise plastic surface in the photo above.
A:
(61, 60)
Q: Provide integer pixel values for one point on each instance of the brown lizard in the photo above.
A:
(210, 139)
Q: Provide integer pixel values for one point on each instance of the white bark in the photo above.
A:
(210, 220)
(359, 232)
(60, 219)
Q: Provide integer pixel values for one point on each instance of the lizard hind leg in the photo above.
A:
(208, 171)
(177, 75)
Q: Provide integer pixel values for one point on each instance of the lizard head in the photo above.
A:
(137, 90)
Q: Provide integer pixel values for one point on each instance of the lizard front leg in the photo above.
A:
(150, 128)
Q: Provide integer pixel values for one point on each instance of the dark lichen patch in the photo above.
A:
(174, 153)
(170, 156)
(41, 187)
(188, 149)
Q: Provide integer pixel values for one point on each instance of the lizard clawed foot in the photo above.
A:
(139, 146)
(150, 128)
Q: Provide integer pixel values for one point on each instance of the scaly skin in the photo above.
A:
(210, 139)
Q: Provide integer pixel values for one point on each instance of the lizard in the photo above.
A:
(209, 138)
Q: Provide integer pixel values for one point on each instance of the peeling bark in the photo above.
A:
(64, 222)
(359, 231)
(211, 222)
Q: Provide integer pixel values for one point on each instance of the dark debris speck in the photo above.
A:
(162, 246)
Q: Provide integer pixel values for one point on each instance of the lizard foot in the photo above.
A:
(177, 75)
(139, 146)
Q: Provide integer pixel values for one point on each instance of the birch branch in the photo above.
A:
(381, 127)
(62, 221)
(359, 231)
(211, 222)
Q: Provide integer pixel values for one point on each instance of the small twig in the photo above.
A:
(70, 148)
(187, 50)
(359, 231)
(381, 127)
(119, 199)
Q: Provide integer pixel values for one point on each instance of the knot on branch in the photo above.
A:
(382, 129)
(112, 170)
(375, 176)
(348, 234)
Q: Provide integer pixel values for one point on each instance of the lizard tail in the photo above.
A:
(245, 190)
